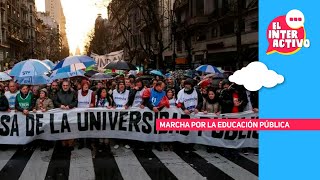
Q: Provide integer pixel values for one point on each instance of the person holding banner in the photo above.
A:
(11, 94)
(155, 99)
(135, 97)
(24, 100)
(189, 99)
(86, 99)
(120, 100)
(66, 99)
(103, 100)
(43, 104)
(211, 105)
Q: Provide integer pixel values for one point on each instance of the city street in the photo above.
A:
(125, 164)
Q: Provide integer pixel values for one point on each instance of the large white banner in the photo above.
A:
(134, 124)
(103, 60)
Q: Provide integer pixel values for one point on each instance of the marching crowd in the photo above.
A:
(124, 92)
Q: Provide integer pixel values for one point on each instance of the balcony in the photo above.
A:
(24, 7)
(180, 4)
(198, 21)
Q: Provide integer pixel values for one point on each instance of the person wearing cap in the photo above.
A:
(43, 104)
(189, 99)
(135, 96)
(4, 104)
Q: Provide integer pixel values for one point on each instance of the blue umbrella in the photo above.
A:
(31, 67)
(4, 77)
(64, 75)
(49, 63)
(33, 80)
(208, 69)
(71, 68)
(86, 60)
(156, 72)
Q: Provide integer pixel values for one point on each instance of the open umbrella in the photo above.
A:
(27, 68)
(100, 77)
(214, 76)
(156, 72)
(208, 69)
(33, 80)
(4, 77)
(55, 75)
(7, 71)
(49, 63)
(120, 65)
(112, 74)
(86, 60)
(71, 68)
(92, 67)
(91, 73)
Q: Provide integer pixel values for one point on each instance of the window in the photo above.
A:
(254, 25)
(243, 25)
(225, 6)
(214, 32)
(201, 37)
(179, 45)
(200, 7)
(227, 28)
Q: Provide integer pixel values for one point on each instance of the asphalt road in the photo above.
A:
(125, 164)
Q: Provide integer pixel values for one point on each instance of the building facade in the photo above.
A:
(186, 33)
(206, 32)
(18, 31)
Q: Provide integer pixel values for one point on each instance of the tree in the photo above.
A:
(99, 39)
(119, 10)
(157, 16)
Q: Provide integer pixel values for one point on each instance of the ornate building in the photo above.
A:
(206, 32)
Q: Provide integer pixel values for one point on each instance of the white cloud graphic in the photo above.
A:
(256, 75)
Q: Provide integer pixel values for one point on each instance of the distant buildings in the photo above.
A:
(18, 31)
(55, 10)
(27, 34)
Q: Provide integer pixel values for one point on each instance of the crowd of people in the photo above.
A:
(124, 92)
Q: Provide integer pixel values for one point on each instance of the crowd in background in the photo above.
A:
(124, 92)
